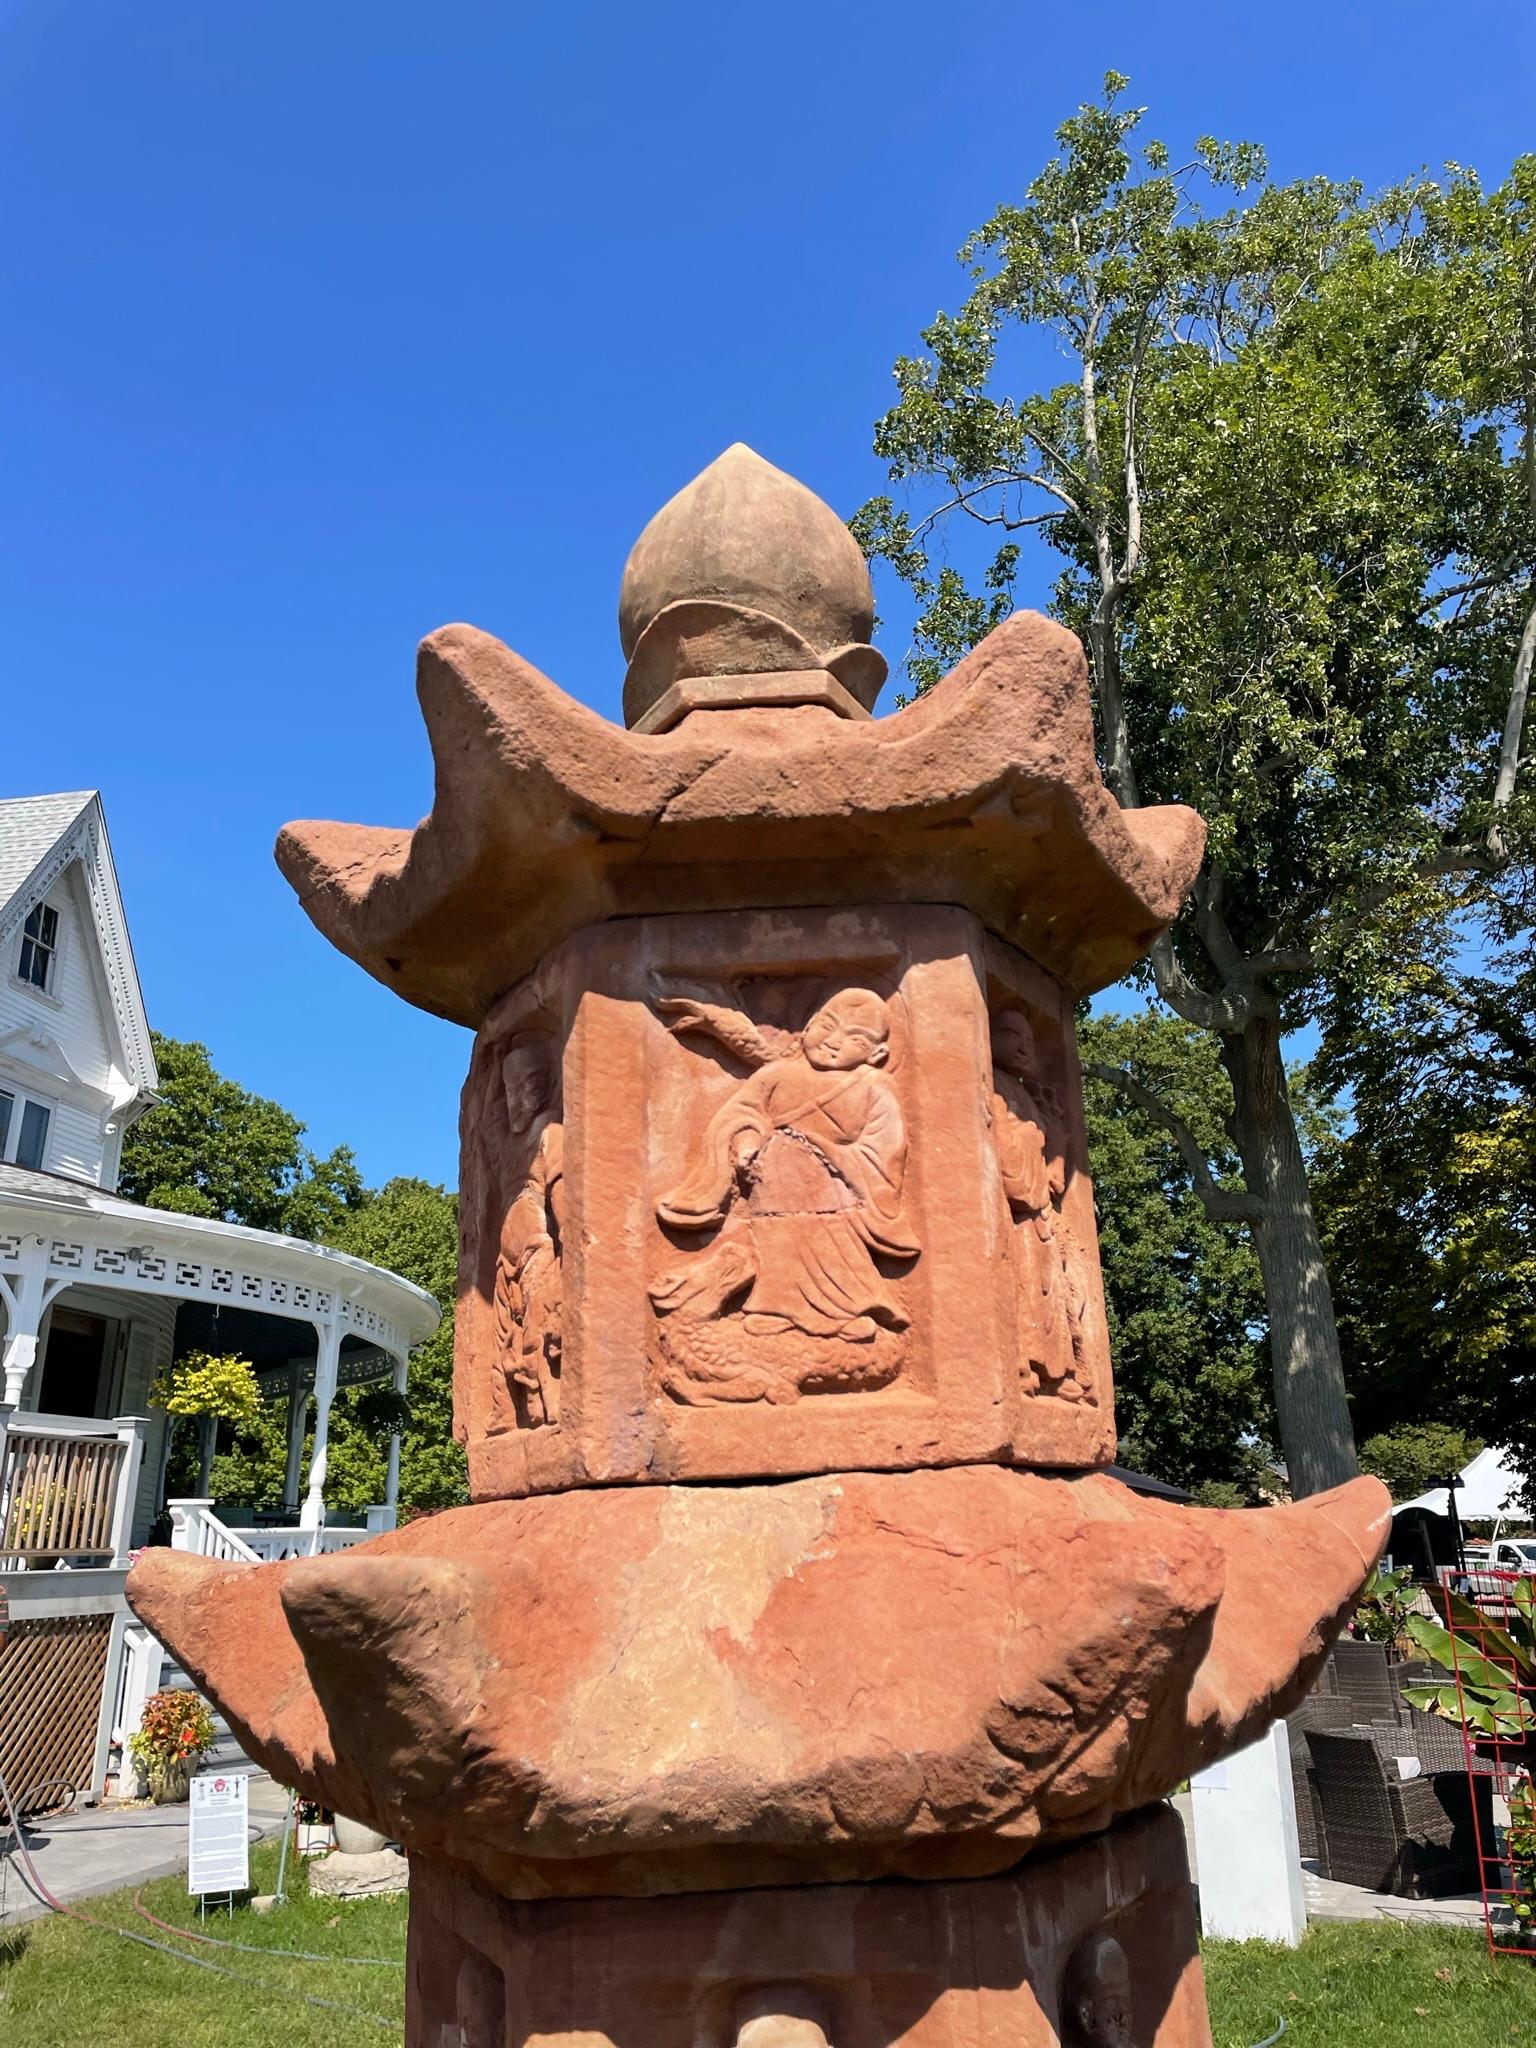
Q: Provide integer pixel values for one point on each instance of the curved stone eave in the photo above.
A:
(547, 817)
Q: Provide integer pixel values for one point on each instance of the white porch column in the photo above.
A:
(298, 1415)
(130, 1434)
(392, 1468)
(27, 1292)
(312, 1514)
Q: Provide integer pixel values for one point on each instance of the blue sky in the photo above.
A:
(327, 324)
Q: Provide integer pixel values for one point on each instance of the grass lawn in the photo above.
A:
(1381, 1985)
(67, 1986)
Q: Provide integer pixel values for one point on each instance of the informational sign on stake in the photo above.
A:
(218, 1846)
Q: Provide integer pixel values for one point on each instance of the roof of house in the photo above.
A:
(41, 837)
(30, 827)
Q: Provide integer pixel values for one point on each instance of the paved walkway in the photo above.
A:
(103, 1848)
(1327, 1899)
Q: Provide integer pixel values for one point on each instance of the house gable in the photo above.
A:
(80, 1044)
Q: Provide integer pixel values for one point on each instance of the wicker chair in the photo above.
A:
(1413, 1837)
(1317, 1710)
(1365, 1678)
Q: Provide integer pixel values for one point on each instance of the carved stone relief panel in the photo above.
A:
(790, 1216)
(511, 1227)
(774, 1192)
(1060, 1335)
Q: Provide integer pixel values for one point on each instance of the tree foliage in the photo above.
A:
(409, 1227)
(1290, 489)
(211, 1148)
(1428, 1202)
(1183, 1293)
(1411, 1456)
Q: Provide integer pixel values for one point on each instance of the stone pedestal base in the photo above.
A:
(1093, 1947)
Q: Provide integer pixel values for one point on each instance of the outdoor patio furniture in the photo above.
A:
(1364, 1677)
(1317, 1710)
(1436, 1742)
(1413, 1837)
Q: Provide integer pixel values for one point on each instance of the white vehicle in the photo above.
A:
(1513, 1554)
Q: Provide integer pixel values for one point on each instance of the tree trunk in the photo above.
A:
(1315, 1430)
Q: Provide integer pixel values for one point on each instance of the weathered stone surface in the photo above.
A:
(1093, 1948)
(370, 1874)
(773, 1174)
(770, 1193)
(746, 580)
(983, 793)
(649, 1689)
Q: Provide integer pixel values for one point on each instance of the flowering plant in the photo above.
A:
(173, 1733)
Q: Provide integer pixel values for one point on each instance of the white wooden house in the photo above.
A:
(98, 1293)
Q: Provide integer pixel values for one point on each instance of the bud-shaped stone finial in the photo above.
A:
(746, 589)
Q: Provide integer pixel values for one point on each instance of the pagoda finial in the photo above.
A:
(746, 589)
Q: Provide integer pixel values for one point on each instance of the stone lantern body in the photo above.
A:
(797, 1676)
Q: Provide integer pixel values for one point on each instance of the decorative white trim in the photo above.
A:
(48, 1245)
(52, 1075)
(86, 841)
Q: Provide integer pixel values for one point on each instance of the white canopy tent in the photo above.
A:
(1489, 1490)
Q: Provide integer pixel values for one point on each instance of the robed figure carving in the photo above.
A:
(801, 1171)
(529, 1287)
(1029, 1131)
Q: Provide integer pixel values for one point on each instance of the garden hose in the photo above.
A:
(164, 1948)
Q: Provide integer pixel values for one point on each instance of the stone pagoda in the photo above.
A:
(797, 1676)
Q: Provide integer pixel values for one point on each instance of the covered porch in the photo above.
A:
(97, 1296)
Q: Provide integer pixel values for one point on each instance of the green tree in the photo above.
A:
(1410, 1457)
(211, 1148)
(1291, 512)
(1182, 1288)
(409, 1227)
(1428, 1207)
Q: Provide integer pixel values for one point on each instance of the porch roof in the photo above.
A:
(73, 1233)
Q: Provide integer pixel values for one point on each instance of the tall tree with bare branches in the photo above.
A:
(1288, 481)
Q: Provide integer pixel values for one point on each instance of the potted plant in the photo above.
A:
(315, 1829)
(1381, 1614)
(171, 1738)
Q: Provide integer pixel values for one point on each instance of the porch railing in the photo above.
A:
(66, 1489)
(195, 1527)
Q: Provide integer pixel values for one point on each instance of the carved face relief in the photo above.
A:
(799, 1186)
(1097, 2006)
(526, 1082)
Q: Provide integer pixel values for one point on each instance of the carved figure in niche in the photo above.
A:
(1097, 2006)
(1029, 1131)
(803, 1166)
(781, 2016)
(529, 1297)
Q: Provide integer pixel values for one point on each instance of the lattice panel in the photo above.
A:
(51, 1675)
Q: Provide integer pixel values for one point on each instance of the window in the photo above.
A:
(39, 944)
(23, 1129)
